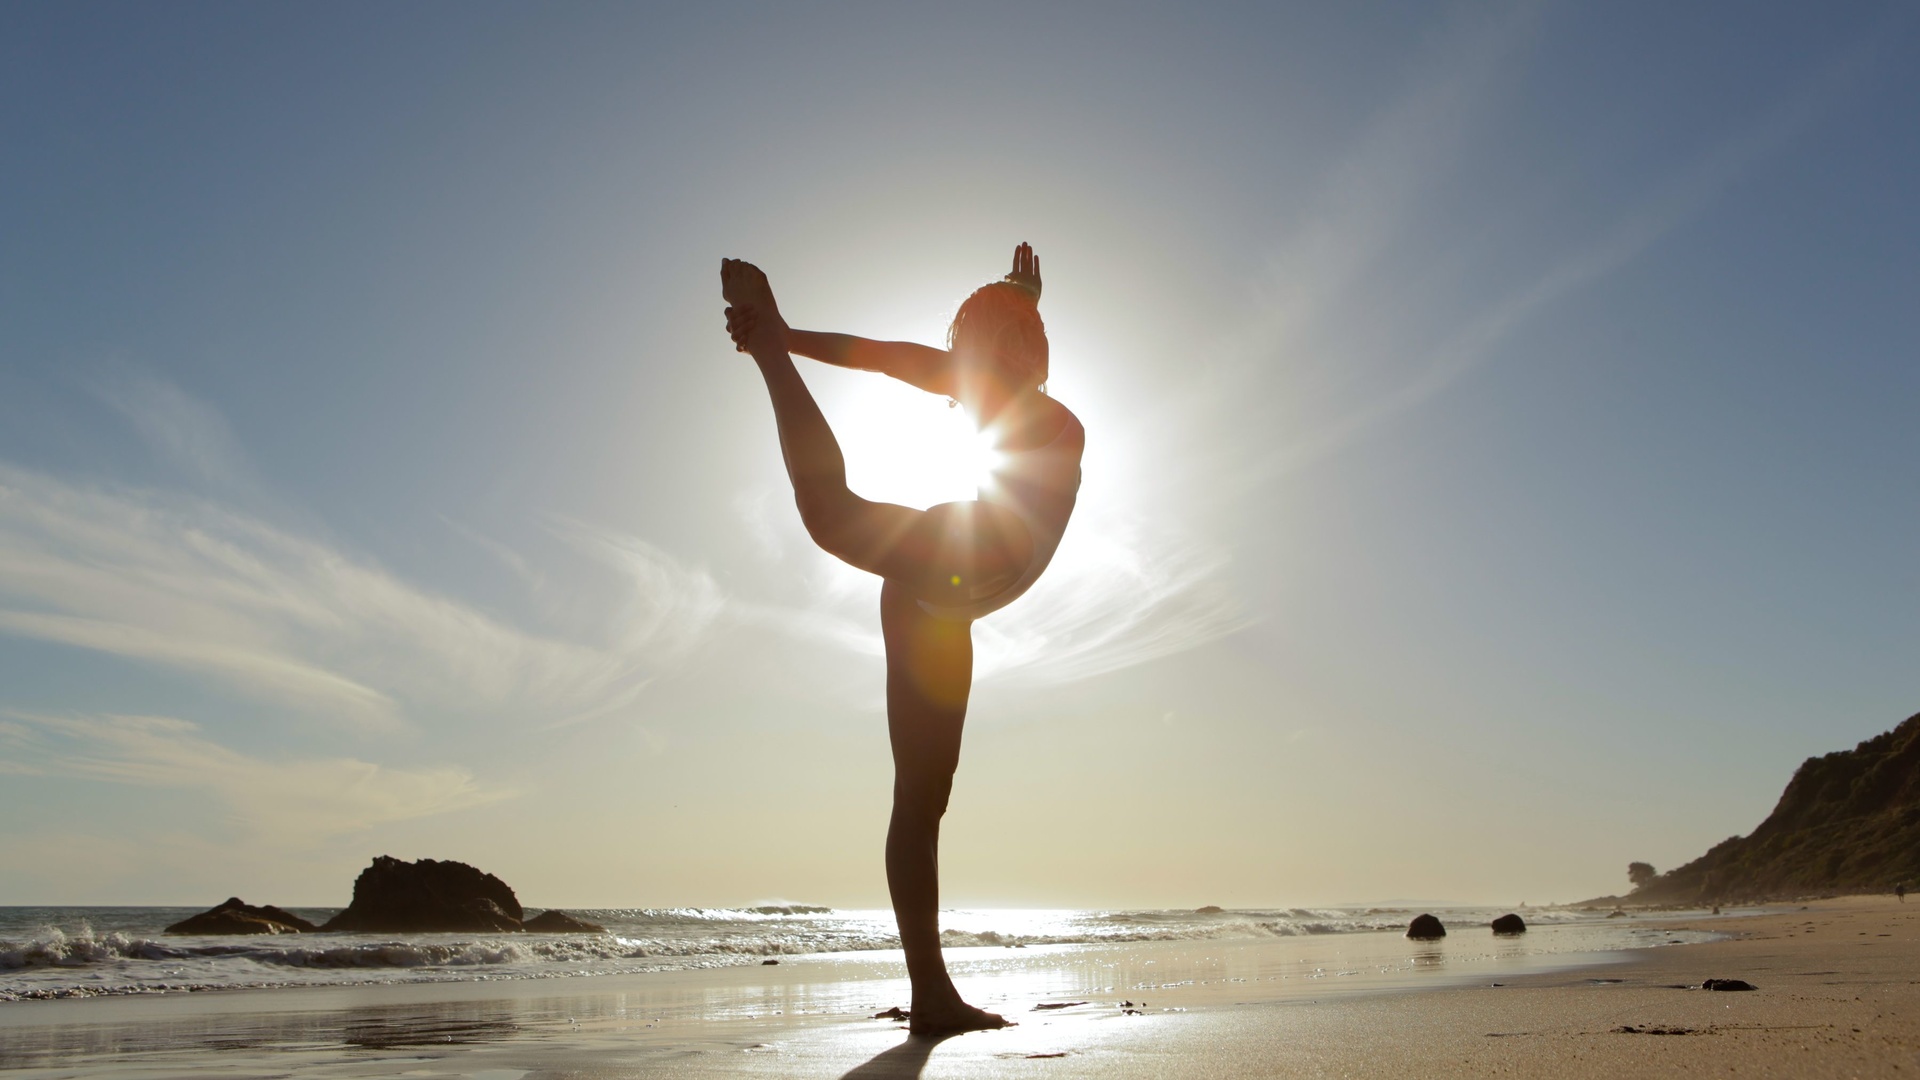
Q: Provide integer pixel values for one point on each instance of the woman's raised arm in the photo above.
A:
(923, 366)
(916, 365)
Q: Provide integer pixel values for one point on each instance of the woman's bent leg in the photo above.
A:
(949, 555)
(929, 674)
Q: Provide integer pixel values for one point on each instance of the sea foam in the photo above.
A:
(55, 952)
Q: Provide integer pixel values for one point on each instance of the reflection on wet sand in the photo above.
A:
(396, 1029)
(368, 1028)
(684, 1023)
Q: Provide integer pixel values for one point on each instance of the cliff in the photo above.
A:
(1847, 822)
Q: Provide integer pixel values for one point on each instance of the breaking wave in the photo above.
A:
(54, 952)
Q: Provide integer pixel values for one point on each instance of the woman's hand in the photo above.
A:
(1026, 270)
(749, 332)
(740, 322)
(753, 319)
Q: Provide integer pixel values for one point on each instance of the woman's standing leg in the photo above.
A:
(929, 660)
(929, 675)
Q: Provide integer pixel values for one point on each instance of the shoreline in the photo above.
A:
(55, 954)
(1838, 995)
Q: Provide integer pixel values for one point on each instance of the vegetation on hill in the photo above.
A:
(1848, 822)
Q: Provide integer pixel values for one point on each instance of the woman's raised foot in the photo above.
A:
(745, 285)
(753, 321)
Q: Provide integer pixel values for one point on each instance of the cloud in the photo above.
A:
(283, 801)
(189, 584)
(180, 428)
(1370, 193)
(668, 607)
(1116, 594)
(259, 670)
(1361, 208)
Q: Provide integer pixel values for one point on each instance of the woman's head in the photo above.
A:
(998, 330)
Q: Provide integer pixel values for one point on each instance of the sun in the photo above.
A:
(905, 446)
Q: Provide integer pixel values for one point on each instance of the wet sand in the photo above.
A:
(1839, 995)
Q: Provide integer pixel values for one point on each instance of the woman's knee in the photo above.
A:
(827, 514)
(922, 799)
(922, 788)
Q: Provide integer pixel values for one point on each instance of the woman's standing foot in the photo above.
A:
(951, 1018)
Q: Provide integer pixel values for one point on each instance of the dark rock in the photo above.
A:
(238, 917)
(1509, 924)
(1727, 984)
(1210, 909)
(768, 963)
(228, 922)
(279, 915)
(428, 896)
(1426, 928)
(486, 910)
(555, 921)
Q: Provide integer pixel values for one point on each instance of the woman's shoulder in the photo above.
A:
(1071, 435)
(1050, 425)
(1073, 428)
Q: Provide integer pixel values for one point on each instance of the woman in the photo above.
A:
(941, 568)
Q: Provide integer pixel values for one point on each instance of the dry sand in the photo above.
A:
(1839, 995)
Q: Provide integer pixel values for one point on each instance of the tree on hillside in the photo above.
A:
(1640, 873)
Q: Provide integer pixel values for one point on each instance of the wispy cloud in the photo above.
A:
(667, 607)
(284, 801)
(1368, 196)
(180, 428)
(1116, 594)
(190, 584)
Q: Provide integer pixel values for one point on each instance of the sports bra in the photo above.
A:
(1040, 486)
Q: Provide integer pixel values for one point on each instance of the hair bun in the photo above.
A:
(1026, 290)
(1002, 318)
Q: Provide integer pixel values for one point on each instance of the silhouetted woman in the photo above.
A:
(942, 567)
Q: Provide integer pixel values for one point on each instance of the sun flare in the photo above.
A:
(904, 446)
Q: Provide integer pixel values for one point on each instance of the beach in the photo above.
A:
(1837, 995)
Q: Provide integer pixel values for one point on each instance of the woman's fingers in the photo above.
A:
(740, 324)
(1026, 269)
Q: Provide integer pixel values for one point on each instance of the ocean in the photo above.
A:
(69, 952)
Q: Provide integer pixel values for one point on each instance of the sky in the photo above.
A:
(1500, 460)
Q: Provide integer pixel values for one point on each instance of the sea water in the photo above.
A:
(62, 952)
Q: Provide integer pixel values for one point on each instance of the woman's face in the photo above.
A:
(981, 381)
(999, 348)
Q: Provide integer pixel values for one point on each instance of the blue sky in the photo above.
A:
(1499, 462)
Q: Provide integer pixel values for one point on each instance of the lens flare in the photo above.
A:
(903, 446)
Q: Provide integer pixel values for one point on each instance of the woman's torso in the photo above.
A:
(1039, 484)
